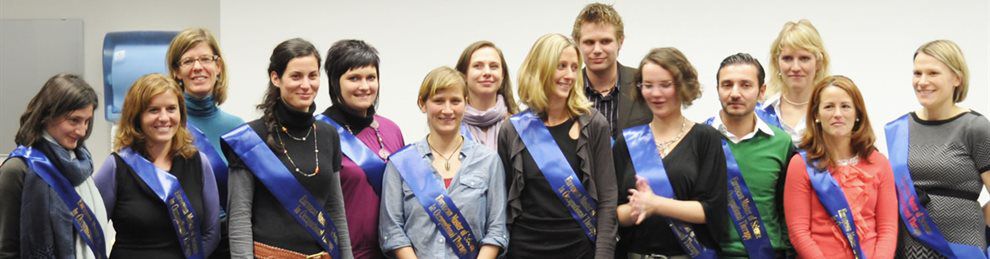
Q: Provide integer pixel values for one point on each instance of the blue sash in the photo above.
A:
(557, 171)
(168, 189)
(418, 174)
(768, 115)
(83, 219)
(467, 133)
(834, 201)
(296, 200)
(648, 164)
(352, 147)
(914, 216)
(216, 162)
(742, 208)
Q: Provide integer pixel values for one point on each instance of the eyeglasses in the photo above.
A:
(651, 86)
(203, 60)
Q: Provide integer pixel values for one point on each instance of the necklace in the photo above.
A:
(303, 138)
(316, 150)
(446, 160)
(663, 145)
(784, 96)
(381, 143)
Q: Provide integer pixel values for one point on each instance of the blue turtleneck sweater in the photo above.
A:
(207, 117)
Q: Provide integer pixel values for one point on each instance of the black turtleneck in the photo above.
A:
(346, 117)
(272, 225)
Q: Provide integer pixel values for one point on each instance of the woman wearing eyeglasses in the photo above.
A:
(671, 171)
(196, 63)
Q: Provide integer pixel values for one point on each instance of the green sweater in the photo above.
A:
(763, 162)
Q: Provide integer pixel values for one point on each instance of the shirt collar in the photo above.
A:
(761, 126)
(467, 148)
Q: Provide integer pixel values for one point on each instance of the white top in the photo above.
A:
(795, 131)
(760, 126)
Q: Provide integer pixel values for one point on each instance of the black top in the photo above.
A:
(271, 224)
(347, 118)
(546, 224)
(696, 169)
(144, 229)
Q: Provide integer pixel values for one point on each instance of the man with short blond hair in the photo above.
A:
(599, 32)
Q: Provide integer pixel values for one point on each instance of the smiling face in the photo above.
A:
(564, 76)
(836, 112)
(444, 110)
(739, 89)
(69, 129)
(797, 67)
(934, 83)
(299, 83)
(198, 71)
(659, 90)
(599, 45)
(359, 88)
(484, 73)
(160, 120)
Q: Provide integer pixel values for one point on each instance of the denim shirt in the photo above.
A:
(478, 190)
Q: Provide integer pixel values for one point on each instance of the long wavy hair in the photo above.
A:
(129, 133)
(813, 141)
(277, 63)
(537, 71)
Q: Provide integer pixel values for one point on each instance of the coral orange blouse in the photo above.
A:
(869, 189)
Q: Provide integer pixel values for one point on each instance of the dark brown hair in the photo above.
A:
(61, 94)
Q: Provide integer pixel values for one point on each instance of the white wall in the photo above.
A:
(872, 42)
(100, 17)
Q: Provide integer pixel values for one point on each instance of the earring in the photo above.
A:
(817, 121)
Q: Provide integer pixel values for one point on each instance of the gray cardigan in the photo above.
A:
(595, 152)
(241, 184)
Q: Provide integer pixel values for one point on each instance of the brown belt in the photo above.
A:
(270, 252)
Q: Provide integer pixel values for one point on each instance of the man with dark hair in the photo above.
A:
(756, 157)
(599, 33)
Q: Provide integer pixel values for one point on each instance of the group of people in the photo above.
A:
(601, 162)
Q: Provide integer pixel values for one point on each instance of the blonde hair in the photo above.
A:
(797, 35)
(188, 39)
(138, 97)
(598, 13)
(537, 71)
(441, 78)
(951, 56)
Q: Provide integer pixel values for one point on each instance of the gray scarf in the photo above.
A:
(477, 122)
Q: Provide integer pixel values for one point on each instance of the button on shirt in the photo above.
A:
(606, 104)
(478, 191)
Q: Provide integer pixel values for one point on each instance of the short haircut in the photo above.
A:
(685, 76)
(464, 63)
(441, 78)
(61, 95)
(188, 39)
(741, 59)
(129, 133)
(598, 13)
(951, 55)
(343, 56)
(813, 140)
(537, 72)
(797, 35)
